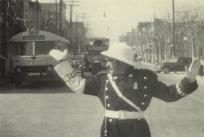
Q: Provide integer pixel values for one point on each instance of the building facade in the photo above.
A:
(51, 18)
(155, 40)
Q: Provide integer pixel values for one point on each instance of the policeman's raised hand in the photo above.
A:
(58, 55)
(193, 70)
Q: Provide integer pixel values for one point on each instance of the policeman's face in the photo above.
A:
(118, 67)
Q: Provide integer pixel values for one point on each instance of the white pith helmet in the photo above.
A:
(123, 53)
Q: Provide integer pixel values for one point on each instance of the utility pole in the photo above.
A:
(173, 20)
(56, 8)
(71, 5)
(165, 48)
(83, 40)
(86, 27)
(60, 17)
(37, 14)
(71, 10)
(83, 16)
(76, 35)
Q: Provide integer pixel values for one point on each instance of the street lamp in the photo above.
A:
(174, 29)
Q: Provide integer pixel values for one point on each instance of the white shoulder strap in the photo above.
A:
(119, 93)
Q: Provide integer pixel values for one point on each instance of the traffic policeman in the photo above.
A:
(125, 90)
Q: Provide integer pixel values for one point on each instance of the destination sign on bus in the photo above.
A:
(34, 37)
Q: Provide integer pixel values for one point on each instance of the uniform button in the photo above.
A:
(105, 133)
(145, 77)
(107, 97)
(143, 103)
(145, 95)
(106, 89)
(110, 120)
(108, 105)
(114, 78)
(145, 87)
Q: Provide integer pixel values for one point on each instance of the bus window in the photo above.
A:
(21, 48)
(26, 48)
(43, 47)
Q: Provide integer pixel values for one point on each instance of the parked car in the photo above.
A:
(180, 65)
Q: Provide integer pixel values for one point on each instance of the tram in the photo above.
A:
(29, 59)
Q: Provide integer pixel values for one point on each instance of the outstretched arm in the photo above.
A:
(186, 86)
(74, 81)
(66, 72)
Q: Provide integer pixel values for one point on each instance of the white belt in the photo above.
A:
(122, 114)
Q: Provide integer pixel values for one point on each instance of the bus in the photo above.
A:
(28, 56)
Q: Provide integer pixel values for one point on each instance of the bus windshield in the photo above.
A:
(43, 47)
(31, 48)
(21, 48)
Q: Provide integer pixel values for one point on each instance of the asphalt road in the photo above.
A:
(52, 111)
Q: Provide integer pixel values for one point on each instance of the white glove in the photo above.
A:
(193, 70)
(58, 55)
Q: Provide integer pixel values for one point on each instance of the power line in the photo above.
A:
(83, 16)
(71, 5)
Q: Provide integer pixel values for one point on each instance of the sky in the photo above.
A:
(112, 18)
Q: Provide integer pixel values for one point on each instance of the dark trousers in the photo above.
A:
(125, 128)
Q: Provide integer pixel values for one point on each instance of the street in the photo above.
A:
(56, 112)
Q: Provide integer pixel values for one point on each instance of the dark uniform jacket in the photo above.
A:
(139, 86)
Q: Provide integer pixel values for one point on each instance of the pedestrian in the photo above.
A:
(125, 90)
